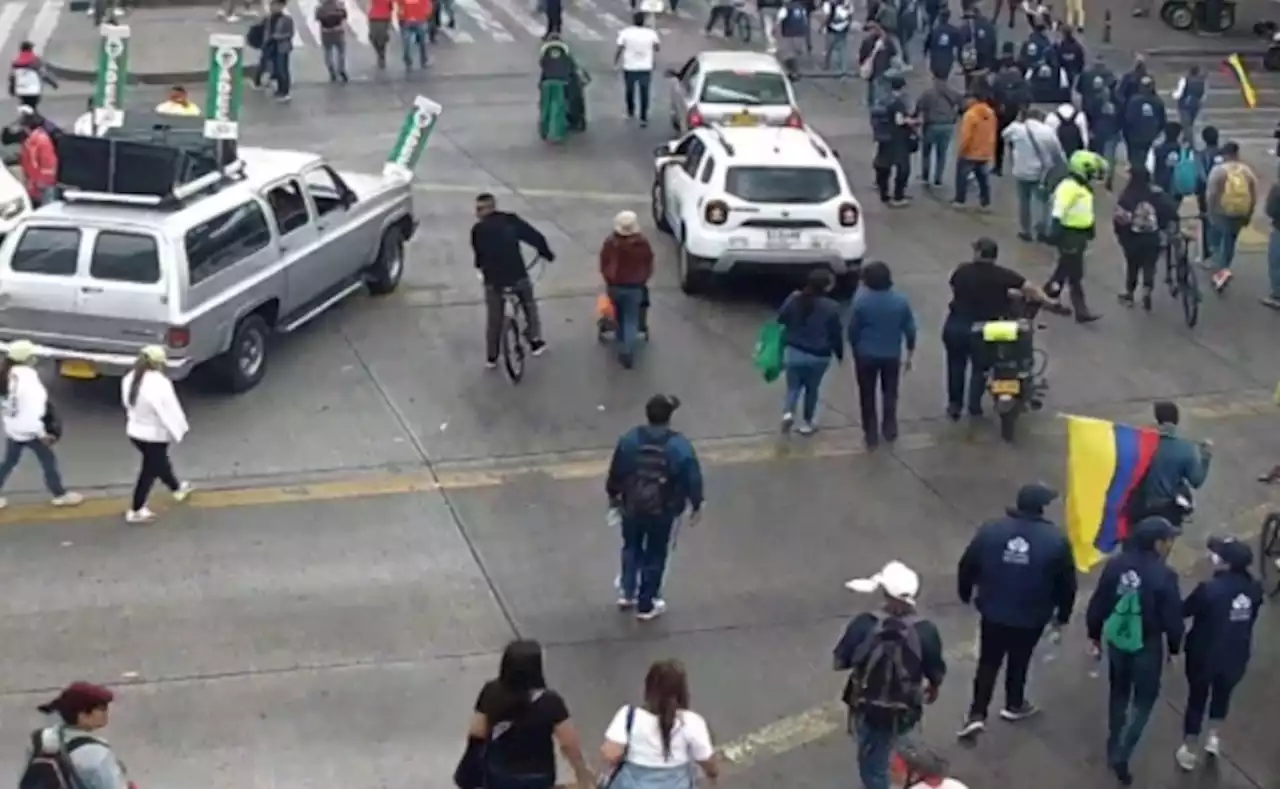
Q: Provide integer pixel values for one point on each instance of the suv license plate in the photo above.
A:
(782, 239)
(1006, 387)
(81, 371)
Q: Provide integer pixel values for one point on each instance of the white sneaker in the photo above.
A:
(183, 491)
(659, 608)
(1212, 745)
(232, 18)
(625, 603)
(1185, 757)
(143, 515)
(788, 419)
(68, 499)
(806, 429)
(3, 502)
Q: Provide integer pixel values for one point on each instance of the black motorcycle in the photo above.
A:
(1015, 369)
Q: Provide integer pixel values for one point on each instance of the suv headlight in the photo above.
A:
(12, 208)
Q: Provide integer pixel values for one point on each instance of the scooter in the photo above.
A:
(1015, 376)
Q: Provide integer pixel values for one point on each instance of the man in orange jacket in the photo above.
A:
(976, 150)
(39, 162)
(414, 15)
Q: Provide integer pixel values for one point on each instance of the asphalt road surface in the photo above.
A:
(382, 515)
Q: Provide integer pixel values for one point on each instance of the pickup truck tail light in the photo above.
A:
(178, 337)
(848, 215)
(794, 121)
(716, 213)
(695, 119)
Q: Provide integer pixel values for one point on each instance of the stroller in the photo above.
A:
(562, 105)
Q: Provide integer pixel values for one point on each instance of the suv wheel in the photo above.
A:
(693, 278)
(385, 273)
(658, 204)
(244, 364)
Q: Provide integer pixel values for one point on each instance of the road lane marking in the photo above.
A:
(579, 29)
(358, 22)
(607, 19)
(309, 17)
(484, 20)
(521, 17)
(517, 191)
(44, 24)
(564, 467)
(10, 13)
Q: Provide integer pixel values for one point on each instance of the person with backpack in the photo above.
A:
(68, 753)
(1142, 213)
(1189, 96)
(1223, 611)
(978, 45)
(1025, 579)
(812, 336)
(29, 422)
(1071, 128)
(793, 30)
(653, 477)
(28, 75)
(516, 723)
(1231, 196)
(1143, 121)
(660, 744)
(1177, 468)
(896, 666)
(1135, 613)
(1104, 135)
(1164, 157)
(837, 16)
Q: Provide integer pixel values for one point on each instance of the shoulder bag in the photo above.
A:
(607, 780)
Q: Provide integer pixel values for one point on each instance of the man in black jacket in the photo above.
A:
(1025, 577)
(495, 240)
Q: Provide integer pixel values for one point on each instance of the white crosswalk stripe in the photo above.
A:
(10, 13)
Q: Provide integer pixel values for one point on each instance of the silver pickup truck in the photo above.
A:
(210, 272)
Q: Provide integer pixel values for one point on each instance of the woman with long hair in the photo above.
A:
(155, 421)
(661, 743)
(1142, 213)
(516, 720)
(812, 334)
(29, 421)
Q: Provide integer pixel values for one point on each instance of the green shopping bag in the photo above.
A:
(768, 353)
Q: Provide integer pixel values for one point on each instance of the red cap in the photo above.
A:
(79, 696)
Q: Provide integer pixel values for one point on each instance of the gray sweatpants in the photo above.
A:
(493, 315)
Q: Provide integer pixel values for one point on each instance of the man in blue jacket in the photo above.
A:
(653, 477)
(1177, 468)
(1136, 611)
(1222, 611)
(1144, 119)
(1025, 578)
(942, 45)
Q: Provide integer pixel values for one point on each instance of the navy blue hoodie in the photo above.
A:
(1157, 588)
(1021, 565)
(1222, 611)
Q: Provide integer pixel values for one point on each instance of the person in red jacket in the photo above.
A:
(414, 16)
(39, 161)
(380, 29)
(626, 263)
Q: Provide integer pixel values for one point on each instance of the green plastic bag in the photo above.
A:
(768, 353)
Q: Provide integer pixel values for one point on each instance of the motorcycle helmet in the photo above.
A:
(1087, 165)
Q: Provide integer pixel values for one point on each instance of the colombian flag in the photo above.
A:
(1235, 67)
(1105, 464)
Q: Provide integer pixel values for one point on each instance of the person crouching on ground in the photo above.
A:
(626, 263)
(155, 421)
(812, 334)
(28, 422)
(71, 741)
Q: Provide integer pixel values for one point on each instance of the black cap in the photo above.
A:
(1152, 529)
(1035, 497)
(1234, 554)
(986, 248)
(660, 408)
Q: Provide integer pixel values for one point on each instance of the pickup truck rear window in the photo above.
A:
(225, 240)
(782, 184)
(125, 257)
(47, 250)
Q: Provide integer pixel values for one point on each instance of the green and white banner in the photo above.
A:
(113, 74)
(226, 87)
(412, 139)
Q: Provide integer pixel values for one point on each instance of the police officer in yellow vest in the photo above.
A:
(179, 103)
(1072, 228)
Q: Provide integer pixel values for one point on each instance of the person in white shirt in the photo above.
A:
(637, 50)
(1068, 113)
(155, 421)
(29, 421)
(1036, 153)
(28, 75)
(661, 743)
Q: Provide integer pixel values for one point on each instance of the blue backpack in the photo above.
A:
(1186, 174)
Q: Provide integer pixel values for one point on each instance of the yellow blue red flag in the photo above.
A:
(1235, 67)
(1106, 462)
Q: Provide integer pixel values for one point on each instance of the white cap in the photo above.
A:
(896, 580)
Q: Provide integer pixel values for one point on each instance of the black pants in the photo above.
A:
(1003, 122)
(887, 373)
(1207, 690)
(724, 14)
(1140, 259)
(1069, 273)
(1011, 647)
(155, 466)
(965, 369)
(555, 15)
(893, 168)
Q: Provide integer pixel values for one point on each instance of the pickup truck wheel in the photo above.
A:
(693, 278)
(386, 271)
(244, 364)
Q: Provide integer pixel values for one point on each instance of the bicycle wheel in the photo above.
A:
(511, 344)
(1269, 547)
(1189, 294)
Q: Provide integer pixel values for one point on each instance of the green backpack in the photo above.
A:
(1122, 630)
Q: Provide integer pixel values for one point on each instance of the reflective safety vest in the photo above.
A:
(1073, 205)
(190, 109)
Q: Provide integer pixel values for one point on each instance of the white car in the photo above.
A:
(14, 202)
(732, 88)
(746, 200)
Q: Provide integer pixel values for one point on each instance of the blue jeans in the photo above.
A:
(1107, 150)
(962, 367)
(335, 58)
(1134, 690)
(875, 749)
(1273, 262)
(1188, 120)
(876, 86)
(626, 306)
(646, 541)
(635, 87)
(804, 376)
(837, 55)
(935, 142)
(1033, 207)
(266, 65)
(979, 170)
(413, 38)
(44, 454)
(281, 71)
(1223, 234)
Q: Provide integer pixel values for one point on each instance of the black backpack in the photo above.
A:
(886, 684)
(647, 491)
(1069, 136)
(52, 770)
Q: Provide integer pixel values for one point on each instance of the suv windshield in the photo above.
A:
(744, 87)
(782, 184)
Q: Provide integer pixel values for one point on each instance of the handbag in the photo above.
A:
(607, 780)
(469, 774)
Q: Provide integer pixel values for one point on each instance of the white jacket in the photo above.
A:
(1055, 119)
(25, 405)
(157, 416)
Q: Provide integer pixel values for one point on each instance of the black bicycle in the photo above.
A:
(513, 339)
(1269, 553)
(1180, 274)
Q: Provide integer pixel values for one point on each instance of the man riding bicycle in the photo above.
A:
(495, 240)
(1177, 469)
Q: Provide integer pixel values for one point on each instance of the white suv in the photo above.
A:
(747, 200)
